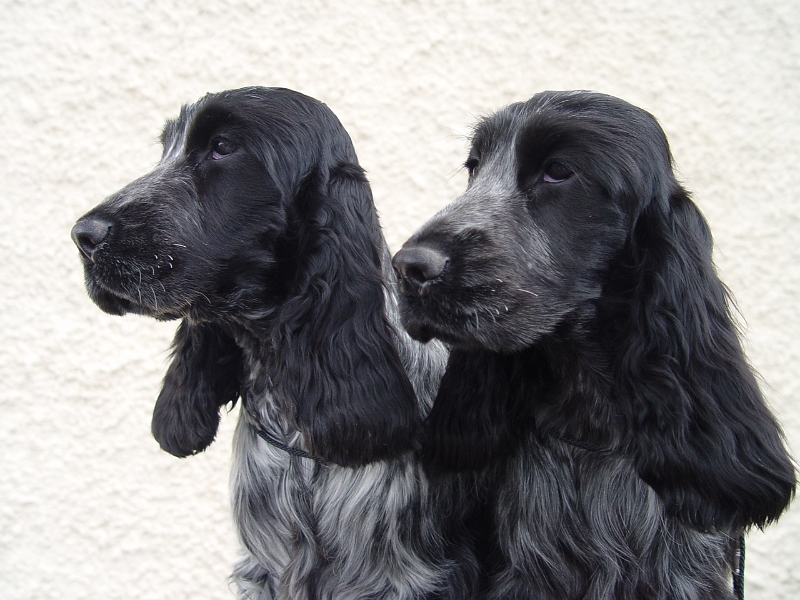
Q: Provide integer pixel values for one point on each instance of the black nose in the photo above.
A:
(89, 233)
(419, 265)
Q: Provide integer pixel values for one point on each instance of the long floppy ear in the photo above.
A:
(478, 415)
(702, 435)
(337, 365)
(203, 376)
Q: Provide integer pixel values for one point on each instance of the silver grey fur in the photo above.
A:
(324, 532)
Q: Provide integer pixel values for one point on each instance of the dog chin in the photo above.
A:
(417, 326)
(108, 302)
(114, 304)
(424, 331)
(421, 333)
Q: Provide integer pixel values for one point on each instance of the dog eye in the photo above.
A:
(556, 173)
(220, 148)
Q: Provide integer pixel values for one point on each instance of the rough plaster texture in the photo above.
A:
(89, 506)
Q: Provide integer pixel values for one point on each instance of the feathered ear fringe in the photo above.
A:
(477, 417)
(337, 363)
(203, 376)
(702, 435)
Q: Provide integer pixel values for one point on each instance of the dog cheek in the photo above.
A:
(515, 332)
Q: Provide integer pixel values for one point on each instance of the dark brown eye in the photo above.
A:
(220, 148)
(556, 172)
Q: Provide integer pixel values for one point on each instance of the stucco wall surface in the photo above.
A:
(89, 505)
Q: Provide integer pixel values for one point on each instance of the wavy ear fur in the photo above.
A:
(337, 364)
(702, 435)
(203, 376)
(478, 415)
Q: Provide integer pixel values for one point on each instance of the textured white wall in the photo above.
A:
(89, 506)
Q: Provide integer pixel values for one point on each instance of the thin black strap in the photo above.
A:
(273, 441)
(581, 445)
(738, 571)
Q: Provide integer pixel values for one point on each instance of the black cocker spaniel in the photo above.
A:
(257, 229)
(596, 391)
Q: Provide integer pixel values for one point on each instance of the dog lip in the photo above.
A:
(422, 327)
(108, 298)
(108, 301)
(421, 334)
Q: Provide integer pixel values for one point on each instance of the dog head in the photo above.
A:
(554, 186)
(258, 222)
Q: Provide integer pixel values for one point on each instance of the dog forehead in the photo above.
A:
(504, 134)
(264, 118)
(579, 109)
(175, 132)
(495, 133)
(199, 120)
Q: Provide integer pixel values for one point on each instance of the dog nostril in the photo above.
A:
(89, 233)
(419, 265)
(416, 274)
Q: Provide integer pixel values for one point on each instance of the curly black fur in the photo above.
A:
(597, 384)
(258, 230)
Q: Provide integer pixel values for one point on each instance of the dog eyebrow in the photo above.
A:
(207, 122)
